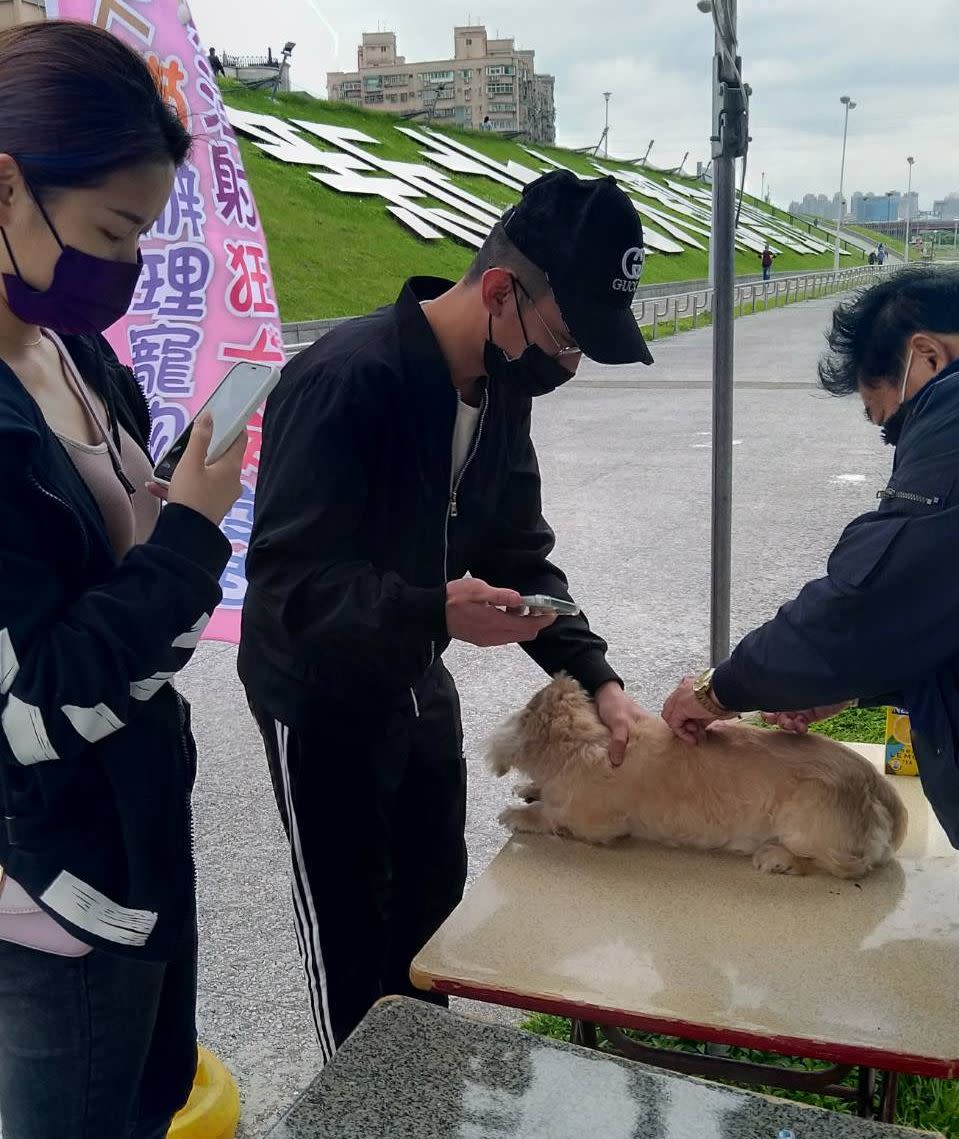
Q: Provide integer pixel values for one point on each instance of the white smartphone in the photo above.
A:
(234, 400)
(537, 603)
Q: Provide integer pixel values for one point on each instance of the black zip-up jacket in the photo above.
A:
(357, 528)
(96, 757)
(883, 624)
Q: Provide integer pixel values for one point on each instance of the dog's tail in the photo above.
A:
(886, 820)
(501, 753)
(873, 825)
(891, 811)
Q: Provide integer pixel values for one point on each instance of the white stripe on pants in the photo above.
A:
(307, 927)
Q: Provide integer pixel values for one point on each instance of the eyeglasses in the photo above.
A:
(563, 351)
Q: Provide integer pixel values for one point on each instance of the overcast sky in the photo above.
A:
(897, 61)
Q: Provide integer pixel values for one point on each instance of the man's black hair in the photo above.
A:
(498, 252)
(869, 333)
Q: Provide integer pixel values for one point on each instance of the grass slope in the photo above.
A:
(339, 254)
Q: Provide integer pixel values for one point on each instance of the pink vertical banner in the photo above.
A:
(206, 297)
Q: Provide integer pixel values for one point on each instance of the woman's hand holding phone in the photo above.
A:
(208, 488)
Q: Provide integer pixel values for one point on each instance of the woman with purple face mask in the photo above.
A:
(103, 598)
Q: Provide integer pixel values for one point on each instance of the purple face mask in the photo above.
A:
(88, 294)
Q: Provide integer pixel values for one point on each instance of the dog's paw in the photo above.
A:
(529, 792)
(775, 859)
(511, 818)
(531, 819)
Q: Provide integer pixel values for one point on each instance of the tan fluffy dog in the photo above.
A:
(790, 801)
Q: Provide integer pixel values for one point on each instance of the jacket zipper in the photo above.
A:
(68, 508)
(453, 512)
(187, 765)
(908, 496)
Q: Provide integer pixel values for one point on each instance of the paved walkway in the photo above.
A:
(777, 349)
(625, 456)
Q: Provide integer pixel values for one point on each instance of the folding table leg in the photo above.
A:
(584, 1034)
(888, 1097)
(866, 1092)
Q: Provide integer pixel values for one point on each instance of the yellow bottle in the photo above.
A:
(900, 758)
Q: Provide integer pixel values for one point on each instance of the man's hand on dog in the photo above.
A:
(800, 721)
(689, 719)
(620, 714)
(475, 613)
(685, 715)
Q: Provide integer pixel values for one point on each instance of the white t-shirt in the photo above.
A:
(467, 419)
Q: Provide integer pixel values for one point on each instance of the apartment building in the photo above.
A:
(488, 81)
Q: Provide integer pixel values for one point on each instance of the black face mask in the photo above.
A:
(892, 428)
(532, 374)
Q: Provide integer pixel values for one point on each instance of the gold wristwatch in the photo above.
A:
(703, 691)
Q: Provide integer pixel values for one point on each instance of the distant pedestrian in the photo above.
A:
(487, 125)
(766, 259)
(216, 63)
(881, 253)
(872, 257)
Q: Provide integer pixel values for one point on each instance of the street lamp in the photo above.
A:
(606, 95)
(849, 105)
(890, 194)
(283, 66)
(910, 160)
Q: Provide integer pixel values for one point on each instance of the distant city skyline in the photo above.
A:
(869, 205)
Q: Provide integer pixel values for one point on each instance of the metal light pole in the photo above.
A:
(849, 105)
(283, 65)
(910, 160)
(762, 191)
(729, 141)
(606, 95)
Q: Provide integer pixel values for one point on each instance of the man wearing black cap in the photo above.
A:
(396, 460)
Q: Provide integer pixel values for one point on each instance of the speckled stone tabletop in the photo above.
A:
(414, 1071)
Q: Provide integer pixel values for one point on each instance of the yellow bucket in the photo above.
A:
(213, 1109)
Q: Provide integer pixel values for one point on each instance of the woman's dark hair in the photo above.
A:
(869, 333)
(77, 104)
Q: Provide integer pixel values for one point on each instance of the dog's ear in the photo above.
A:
(560, 696)
(565, 716)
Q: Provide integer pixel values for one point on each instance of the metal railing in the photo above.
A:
(656, 312)
(244, 61)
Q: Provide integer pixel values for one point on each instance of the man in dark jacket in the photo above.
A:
(883, 625)
(396, 460)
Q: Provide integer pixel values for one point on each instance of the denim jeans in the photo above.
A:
(94, 1047)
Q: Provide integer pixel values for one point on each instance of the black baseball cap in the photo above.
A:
(587, 238)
